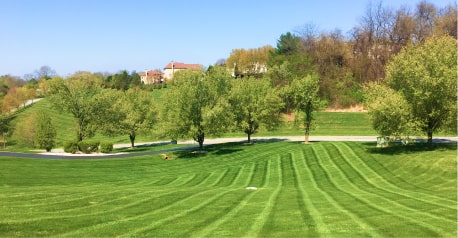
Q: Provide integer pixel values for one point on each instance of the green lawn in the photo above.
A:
(328, 189)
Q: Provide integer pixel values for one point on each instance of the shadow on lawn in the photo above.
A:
(220, 149)
(398, 148)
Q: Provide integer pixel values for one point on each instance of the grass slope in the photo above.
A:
(338, 189)
(328, 123)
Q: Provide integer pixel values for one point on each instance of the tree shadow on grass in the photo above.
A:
(398, 148)
(220, 149)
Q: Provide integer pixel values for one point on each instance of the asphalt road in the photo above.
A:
(59, 154)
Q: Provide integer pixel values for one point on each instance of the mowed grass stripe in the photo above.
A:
(289, 214)
(396, 198)
(374, 178)
(354, 206)
(122, 207)
(374, 203)
(273, 182)
(167, 204)
(310, 212)
(344, 221)
(397, 201)
(203, 217)
(232, 213)
(183, 211)
(396, 175)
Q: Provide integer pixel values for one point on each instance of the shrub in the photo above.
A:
(93, 146)
(88, 147)
(71, 147)
(106, 147)
(83, 146)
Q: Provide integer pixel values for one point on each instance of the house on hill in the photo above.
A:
(173, 67)
(152, 76)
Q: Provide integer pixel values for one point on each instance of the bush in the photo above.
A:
(71, 147)
(106, 147)
(88, 147)
(83, 146)
(93, 146)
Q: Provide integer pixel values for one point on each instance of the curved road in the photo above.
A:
(192, 144)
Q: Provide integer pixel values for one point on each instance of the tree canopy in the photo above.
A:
(420, 92)
(196, 105)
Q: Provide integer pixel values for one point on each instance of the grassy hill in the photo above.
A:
(329, 189)
(328, 123)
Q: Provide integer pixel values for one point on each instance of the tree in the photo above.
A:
(76, 95)
(251, 62)
(254, 103)
(25, 131)
(45, 132)
(388, 110)
(45, 72)
(425, 75)
(196, 105)
(306, 101)
(132, 112)
(4, 127)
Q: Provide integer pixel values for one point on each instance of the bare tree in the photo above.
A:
(45, 72)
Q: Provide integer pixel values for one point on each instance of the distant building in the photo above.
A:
(152, 76)
(173, 67)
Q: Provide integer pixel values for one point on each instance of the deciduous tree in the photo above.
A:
(425, 75)
(131, 112)
(45, 133)
(306, 101)
(255, 103)
(196, 105)
(76, 95)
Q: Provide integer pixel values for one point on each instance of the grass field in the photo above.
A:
(328, 189)
(328, 123)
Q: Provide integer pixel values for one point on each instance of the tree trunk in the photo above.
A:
(200, 139)
(430, 137)
(80, 131)
(307, 133)
(249, 137)
(132, 140)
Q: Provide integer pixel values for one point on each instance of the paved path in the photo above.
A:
(59, 154)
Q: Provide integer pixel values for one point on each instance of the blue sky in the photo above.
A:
(112, 35)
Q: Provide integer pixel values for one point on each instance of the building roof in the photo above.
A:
(178, 65)
(151, 72)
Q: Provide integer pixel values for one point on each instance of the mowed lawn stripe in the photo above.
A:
(168, 204)
(310, 212)
(348, 202)
(418, 185)
(373, 202)
(418, 206)
(100, 205)
(180, 211)
(289, 214)
(273, 183)
(344, 221)
(377, 180)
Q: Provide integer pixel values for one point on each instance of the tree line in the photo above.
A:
(345, 63)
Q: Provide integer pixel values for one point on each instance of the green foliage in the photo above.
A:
(425, 75)
(195, 105)
(106, 147)
(71, 147)
(306, 101)
(254, 103)
(88, 147)
(389, 112)
(45, 133)
(76, 95)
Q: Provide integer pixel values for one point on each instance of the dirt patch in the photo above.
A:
(356, 108)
